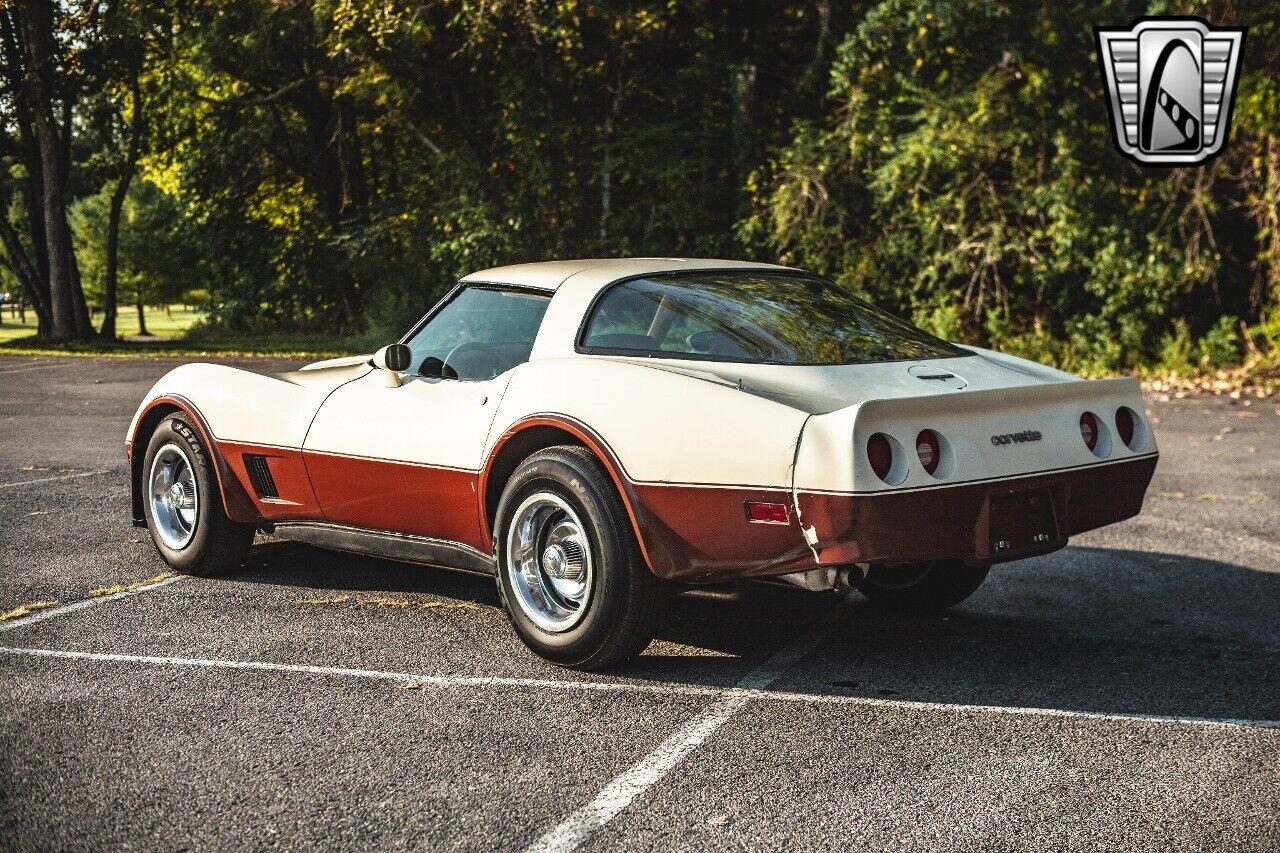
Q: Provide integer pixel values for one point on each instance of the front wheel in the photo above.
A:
(570, 572)
(183, 506)
(916, 587)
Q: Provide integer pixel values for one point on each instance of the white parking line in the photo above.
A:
(41, 615)
(632, 783)
(680, 690)
(27, 368)
(375, 674)
(51, 479)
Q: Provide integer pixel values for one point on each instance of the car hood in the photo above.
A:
(331, 372)
(818, 389)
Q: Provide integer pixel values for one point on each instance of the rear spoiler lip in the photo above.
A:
(992, 398)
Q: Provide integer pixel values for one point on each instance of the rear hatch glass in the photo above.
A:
(752, 316)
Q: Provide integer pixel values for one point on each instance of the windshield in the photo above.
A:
(480, 333)
(761, 317)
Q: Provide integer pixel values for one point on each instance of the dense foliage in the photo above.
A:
(332, 165)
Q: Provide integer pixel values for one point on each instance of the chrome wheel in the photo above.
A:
(549, 562)
(175, 505)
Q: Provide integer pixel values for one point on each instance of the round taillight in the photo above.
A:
(1089, 430)
(1125, 425)
(929, 449)
(880, 455)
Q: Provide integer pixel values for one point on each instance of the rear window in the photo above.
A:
(764, 318)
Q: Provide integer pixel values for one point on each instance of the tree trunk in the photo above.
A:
(812, 82)
(111, 276)
(336, 179)
(66, 306)
(28, 276)
(80, 307)
(13, 64)
(142, 316)
(1267, 214)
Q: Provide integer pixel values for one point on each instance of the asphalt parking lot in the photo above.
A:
(1123, 693)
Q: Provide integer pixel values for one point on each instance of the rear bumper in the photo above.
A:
(954, 522)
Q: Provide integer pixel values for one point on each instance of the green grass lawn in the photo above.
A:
(170, 337)
(162, 324)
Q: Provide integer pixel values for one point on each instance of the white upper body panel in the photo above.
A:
(440, 422)
(254, 408)
(684, 420)
(662, 426)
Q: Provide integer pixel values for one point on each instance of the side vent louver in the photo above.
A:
(260, 474)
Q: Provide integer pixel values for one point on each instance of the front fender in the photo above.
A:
(234, 408)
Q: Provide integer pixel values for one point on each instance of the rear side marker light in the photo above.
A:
(929, 449)
(1125, 426)
(880, 455)
(760, 512)
(1089, 430)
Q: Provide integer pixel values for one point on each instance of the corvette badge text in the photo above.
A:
(1016, 437)
(1170, 84)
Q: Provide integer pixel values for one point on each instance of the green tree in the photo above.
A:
(964, 174)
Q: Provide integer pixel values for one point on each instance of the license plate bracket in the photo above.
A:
(1023, 523)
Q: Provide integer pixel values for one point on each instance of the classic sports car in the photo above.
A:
(593, 432)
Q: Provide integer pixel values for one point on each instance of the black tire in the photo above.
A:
(624, 604)
(217, 544)
(920, 587)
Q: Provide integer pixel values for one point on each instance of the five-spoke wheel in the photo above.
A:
(570, 571)
(183, 505)
(174, 504)
(550, 557)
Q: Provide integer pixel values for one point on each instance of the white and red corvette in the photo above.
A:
(590, 430)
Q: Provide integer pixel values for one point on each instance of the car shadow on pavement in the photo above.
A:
(1085, 629)
(283, 563)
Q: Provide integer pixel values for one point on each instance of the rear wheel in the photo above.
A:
(570, 572)
(183, 506)
(935, 585)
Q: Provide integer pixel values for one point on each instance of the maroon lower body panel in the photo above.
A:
(967, 521)
(294, 500)
(702, 532)
(380, 494)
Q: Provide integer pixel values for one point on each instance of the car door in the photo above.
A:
(406, 459)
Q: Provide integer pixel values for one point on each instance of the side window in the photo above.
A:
(655, 318)
(481, 333)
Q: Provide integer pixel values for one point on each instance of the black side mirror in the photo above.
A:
(398, 357)
(391, 360)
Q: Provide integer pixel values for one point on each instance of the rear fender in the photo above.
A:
(687, 455)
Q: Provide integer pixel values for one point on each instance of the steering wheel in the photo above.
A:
(471, 360)
(714, 342)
